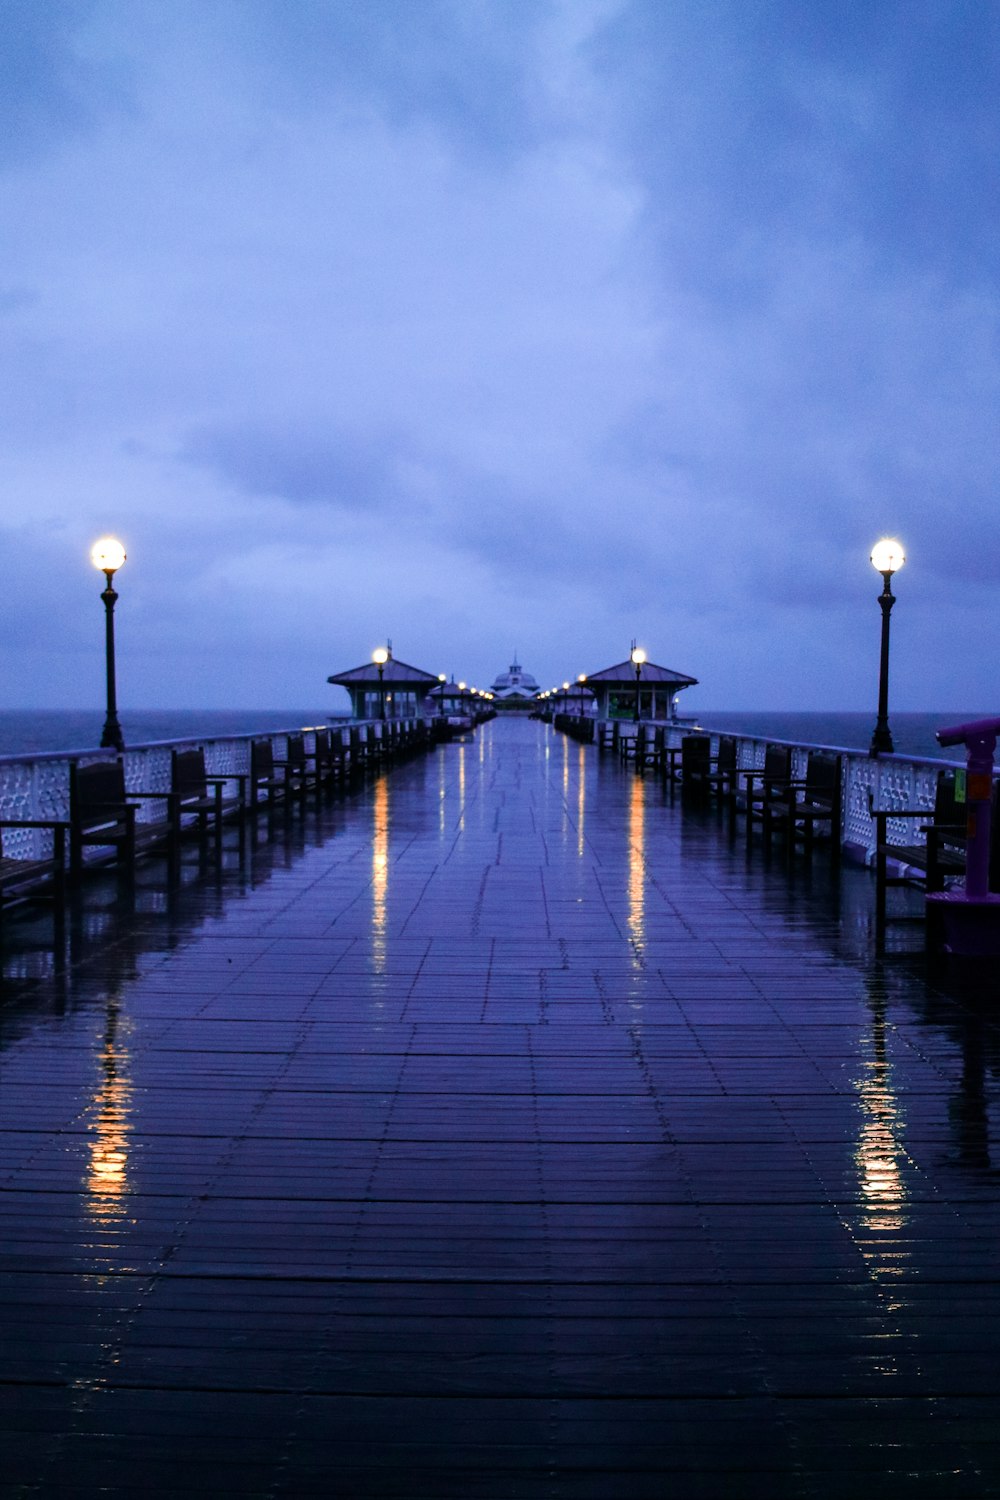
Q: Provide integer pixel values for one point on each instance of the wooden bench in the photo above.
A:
(300, 776)
(195, 794)
(721, 779)
(102, 814)
(696, 762)
(765, 785)
(925, 866)
(357, 751)
(23, 876)
(644, 747)
(327, 758)
(815, 799)
(266, 783)
(631, 741)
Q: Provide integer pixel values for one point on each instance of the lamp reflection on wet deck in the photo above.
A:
(581, 796)
(637, 863)
(878, 1156)
(107, 1167)
(380, 871)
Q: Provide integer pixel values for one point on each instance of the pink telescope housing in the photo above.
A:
(972, 915)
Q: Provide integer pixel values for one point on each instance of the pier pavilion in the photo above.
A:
(514, 688)
(499, 1127)
(616, 689)
(389, 689)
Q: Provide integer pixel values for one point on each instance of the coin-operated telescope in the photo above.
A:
(972, 914)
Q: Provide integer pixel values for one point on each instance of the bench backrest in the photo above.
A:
(187, 773)
(295, 753)
(726, 758)
(777, 763)
(696, 754)
(823, 778)
(324, 746)
(261, 760)
(96, 791)
(946, 809)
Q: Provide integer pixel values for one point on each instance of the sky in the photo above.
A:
(496, 327)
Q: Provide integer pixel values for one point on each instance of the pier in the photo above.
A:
(501, 1128)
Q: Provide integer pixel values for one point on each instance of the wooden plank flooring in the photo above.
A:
(501, 1131)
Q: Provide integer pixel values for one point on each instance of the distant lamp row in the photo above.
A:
(108, 555)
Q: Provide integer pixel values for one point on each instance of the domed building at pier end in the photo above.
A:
(514, 688)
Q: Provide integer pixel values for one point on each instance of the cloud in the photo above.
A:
(357, 471)
(53, 88)
(599, 316)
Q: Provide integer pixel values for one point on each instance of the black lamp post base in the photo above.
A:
(112, 737)
(881, 743)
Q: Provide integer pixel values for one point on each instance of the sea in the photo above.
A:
(26, 731)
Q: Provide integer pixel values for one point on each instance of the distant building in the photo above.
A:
(515, 685)
(620, 689)
(397, 691)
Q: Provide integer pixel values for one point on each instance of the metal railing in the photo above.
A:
(37, 785)
(902, 783)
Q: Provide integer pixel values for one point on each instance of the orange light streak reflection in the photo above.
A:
(107, 1168)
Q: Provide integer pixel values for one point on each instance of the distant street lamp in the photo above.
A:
(581, 679)
(442, 679)
(380, 656)
(638, 657)
(107, 555)
(887, 558)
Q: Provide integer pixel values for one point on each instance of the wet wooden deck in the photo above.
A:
(500, 1131)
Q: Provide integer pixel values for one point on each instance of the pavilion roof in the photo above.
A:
(393, 671)
(623, 675)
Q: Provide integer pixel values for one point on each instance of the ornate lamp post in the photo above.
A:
(442, 679)
(581, 678)
(887, 558)
(380, 656)
(638, 657)
(107, 555)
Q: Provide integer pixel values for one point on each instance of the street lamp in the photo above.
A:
(442, 679)
(638, 657)
(887, 558)
(581, 678)
(107, 555)
(380, 656)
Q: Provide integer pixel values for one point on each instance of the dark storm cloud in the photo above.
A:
(50, 89)
(357, 471)
(782, 119)
(650, 317)
(467, 69)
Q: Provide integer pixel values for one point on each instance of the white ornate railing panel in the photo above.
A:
(37, 786)
(895, 781)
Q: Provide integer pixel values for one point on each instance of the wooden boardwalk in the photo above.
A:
(500, 1131)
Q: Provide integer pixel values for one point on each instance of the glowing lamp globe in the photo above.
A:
(380, 656)
(888, 555)
(638, 655)
(108, 554)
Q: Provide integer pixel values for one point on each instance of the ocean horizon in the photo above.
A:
(29, 731)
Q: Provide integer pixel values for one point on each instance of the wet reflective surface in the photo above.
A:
(501, 1130)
